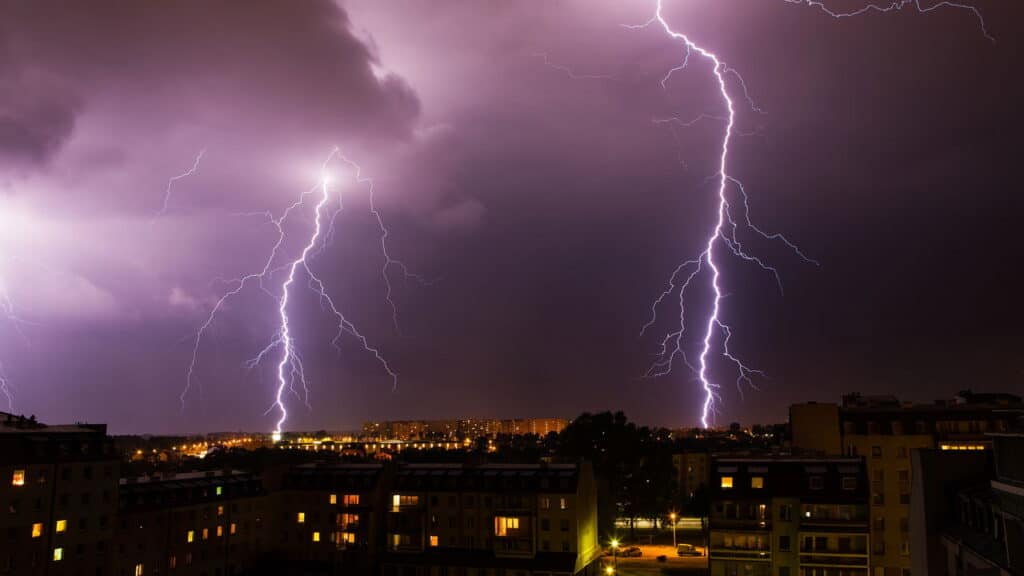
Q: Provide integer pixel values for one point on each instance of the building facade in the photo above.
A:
(885, 432)
(788, 516)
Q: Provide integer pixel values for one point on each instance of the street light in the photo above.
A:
(672, 517)
(609, 570)
(615, 553)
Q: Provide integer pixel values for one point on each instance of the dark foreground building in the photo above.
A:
(68, 512)
(789, 516)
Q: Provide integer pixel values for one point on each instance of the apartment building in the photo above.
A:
(58, 489)
(193, 524)
(885, 432)
(492, 520)
(788, 516)
(693, 468)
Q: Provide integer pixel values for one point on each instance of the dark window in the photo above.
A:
(563, 524)
(784, 543)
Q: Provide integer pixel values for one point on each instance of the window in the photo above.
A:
(545, 524)
(565, 545)
(300, 518)
(174, 562)
(220, 490)
(502, 524)
(138, 570)
(351, 500)
(333, 498)
(757, 482)
(399, 500)
(58, 554)
(191, 536)
(316, 536)
(220, 510)
(18, 478)
(563, 524)
(562, 504)
(816, 483)
(348, 537)
(433, 541)
(876, 451)
(545, 503)
(234, 528)
(220, 530)
(37, 529)
(62, 525)
(849, 482)
(350, 519)
(784, 543)
(206, 533)
(785, 512)
(726, 482)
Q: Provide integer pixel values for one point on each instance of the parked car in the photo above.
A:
(631, 552)
(687, 550)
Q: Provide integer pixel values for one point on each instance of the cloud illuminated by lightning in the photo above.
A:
(717, 334)
(290, 370)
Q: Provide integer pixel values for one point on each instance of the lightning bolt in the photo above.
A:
(717, 334)
(170, 182)
(290, 369)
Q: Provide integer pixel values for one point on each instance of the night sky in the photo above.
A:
(546, 207)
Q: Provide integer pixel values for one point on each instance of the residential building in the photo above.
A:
(885, 431)
(693, 469)
(788, 516)
(491, 520)
(58, 487)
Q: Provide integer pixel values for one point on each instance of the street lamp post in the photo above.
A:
(615, 553)
(672, 517)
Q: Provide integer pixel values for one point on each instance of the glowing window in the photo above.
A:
(545, 503)
(58, 554)
(37, 529)
(206, 533)
(300, 518)
(348, 537)
(234, 528)
(502, 524)
(174, 562)
(316, 536)
(18, 478)
(757, 482)
(726, 482)
(220, 510)
(62, 525)
(191, 536)
(220, 530)
(433, 541)
(562, 504)
(138, 570)
(334, 498)
(351, 500)
(220, 490)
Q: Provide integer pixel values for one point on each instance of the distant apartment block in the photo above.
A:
(460, 429)
(885, 432)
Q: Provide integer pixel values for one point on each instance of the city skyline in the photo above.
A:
(529, 203)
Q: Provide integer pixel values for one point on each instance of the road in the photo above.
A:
(648, 565)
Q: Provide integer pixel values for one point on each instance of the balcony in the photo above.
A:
(741, 524)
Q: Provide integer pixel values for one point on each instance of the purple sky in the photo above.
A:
(549, 208)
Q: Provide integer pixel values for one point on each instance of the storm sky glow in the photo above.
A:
(543, 204)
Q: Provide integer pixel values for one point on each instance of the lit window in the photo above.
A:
(191, 536)
(545, 503)
(220, 530)
(348, 537)
(398, 500)
(234, 528)
(58, 554)
(174, 562)
(220, 510)
(726, 482)
(62, 525)
(206, 533)
(316, 536)
(351, 500)
(433, 541)
(37, 529)
(300, 518)
(502, 524)
(348, 519)
(220, 490)
(18, 478)
(757, 482)
(138, 570)
(562, 505)
(334, 498)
